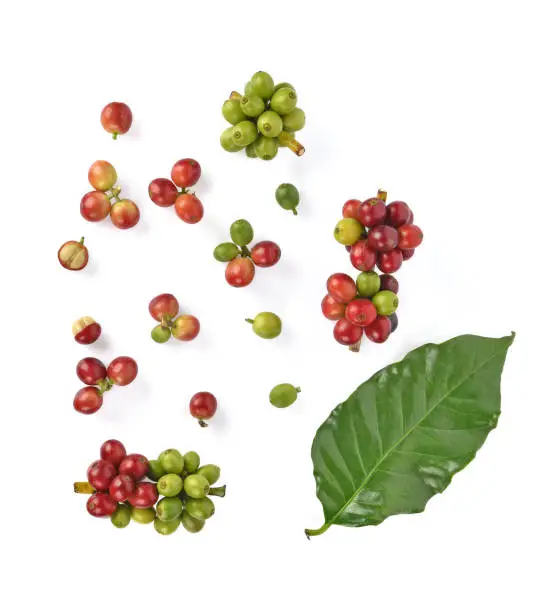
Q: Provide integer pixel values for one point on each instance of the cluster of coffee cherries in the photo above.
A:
(378, 234)
(365, 306)
(265, 118)
(175, 192)
(171, 490)
(105, 200)
(241, 260)
(100, 379)
(164, 308)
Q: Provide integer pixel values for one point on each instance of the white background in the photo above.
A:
(450, 106)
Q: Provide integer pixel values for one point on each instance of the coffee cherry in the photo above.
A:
(116, 118)
(203, 406)
(389, 283)
(88, 400)
(379, 330)
(226, 251)
(383, 238)
(341, 287)
(86, 330)
(265, 254)
(362, 257)
(91, 371)
(266, 325)
(407, 254)
(361, 312)
(394, 321)
(101, 504)
(398, 213)
(332, 309)
(348, 231)
(102, 175)
(368, 284)
(100, 474)
(386, 302)
(240, 272)
(350, 209)
(73, 255)
(390, 261)
(372, 212)
(189, 208)
(185, 173)
(122, 371)
(164, 307)
(162, 192)
(347, 333)
(185, 328)
(125, 214)
(410, 236)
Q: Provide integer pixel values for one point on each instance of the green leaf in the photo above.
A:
(402, 435)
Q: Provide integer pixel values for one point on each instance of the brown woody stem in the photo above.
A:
(292, 144)
(355, 348)
(83, 487)
(381, 195)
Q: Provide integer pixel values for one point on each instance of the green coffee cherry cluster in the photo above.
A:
(265, 118)
(185, 487)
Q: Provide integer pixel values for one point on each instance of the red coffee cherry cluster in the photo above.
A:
(99, 379)
(175, 192)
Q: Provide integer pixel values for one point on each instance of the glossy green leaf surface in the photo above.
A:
(402, 435)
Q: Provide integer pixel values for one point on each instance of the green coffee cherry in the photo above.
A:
(191, 524)
(266, 148)
(368, 284)
(262, 85)
(250, 150)
(156, 471)
(200, 509)
(121, 516)
(196, 486)
(280, 85)
(385, 302)
(170, 485)
(252, 106)
(226, 140)
(269, 124)
(244, 133)
(172, 461)
(169, 508)
(211, 472)
(284, 100)
(288, 197)
(161, 334)
(192, 461)
(241, 232)
(348, 231)
(266, 325)
(166, 527)
(231, 110)
(294, 120)
(143, 515)
(284, 395)
(226, 252)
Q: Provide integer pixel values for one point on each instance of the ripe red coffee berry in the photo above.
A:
(410, 236)
(347, 333)
(362, 257)
(240, 272)
(162, 192)
(341, 287)
(164, 307)
(185, 328)
(116, 118)
(134, 465)
(389, 283)
(122, 371)
(112, 451)
(100, 474)
(203, 406)
(86, 330)
(88, 400)
(379, 330)
(122, 487)
(265, 254)
(95, 206)
(144, 496)
(189, 208)
(383, 238)
(125, 214)
(91, 371)
(372, 212)
(389, 261)
(398, 213)
(407, 254)
(350, 209)
(361, 312)
(185, 173)
(332, 309)
(101, 504)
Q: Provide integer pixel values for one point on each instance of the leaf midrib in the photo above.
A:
(402, 439)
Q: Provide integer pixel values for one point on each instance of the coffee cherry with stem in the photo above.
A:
(332, 309)
(287, 197)
(95, 206)
(164, 307)
(410, 236)
(189, 208)
(265, 254)
(283, 395)
(240, 272)
(161, 334)
(88, 400)
(379, 330)
(185, 328)
(350, 209)
(373, 210)
(383, 238)
(116, 118)
(203, 406)
(286, 139)
(162, 192)
(266, 325)
(86, 330)
(389, 283)
(347, 333)
(398, 213)
(226, 251)
(241, 232)
(368, 284)
(362, 257)
(361, 312)
(341, 287)
(386, 302)
(348, 231)
(125, 214)
(102, 175)
(389, 261)
(185, 173)
(122, 371)
(101, 505)
(100, 474)
(73, 255)
(91, 371)
(112, 451)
